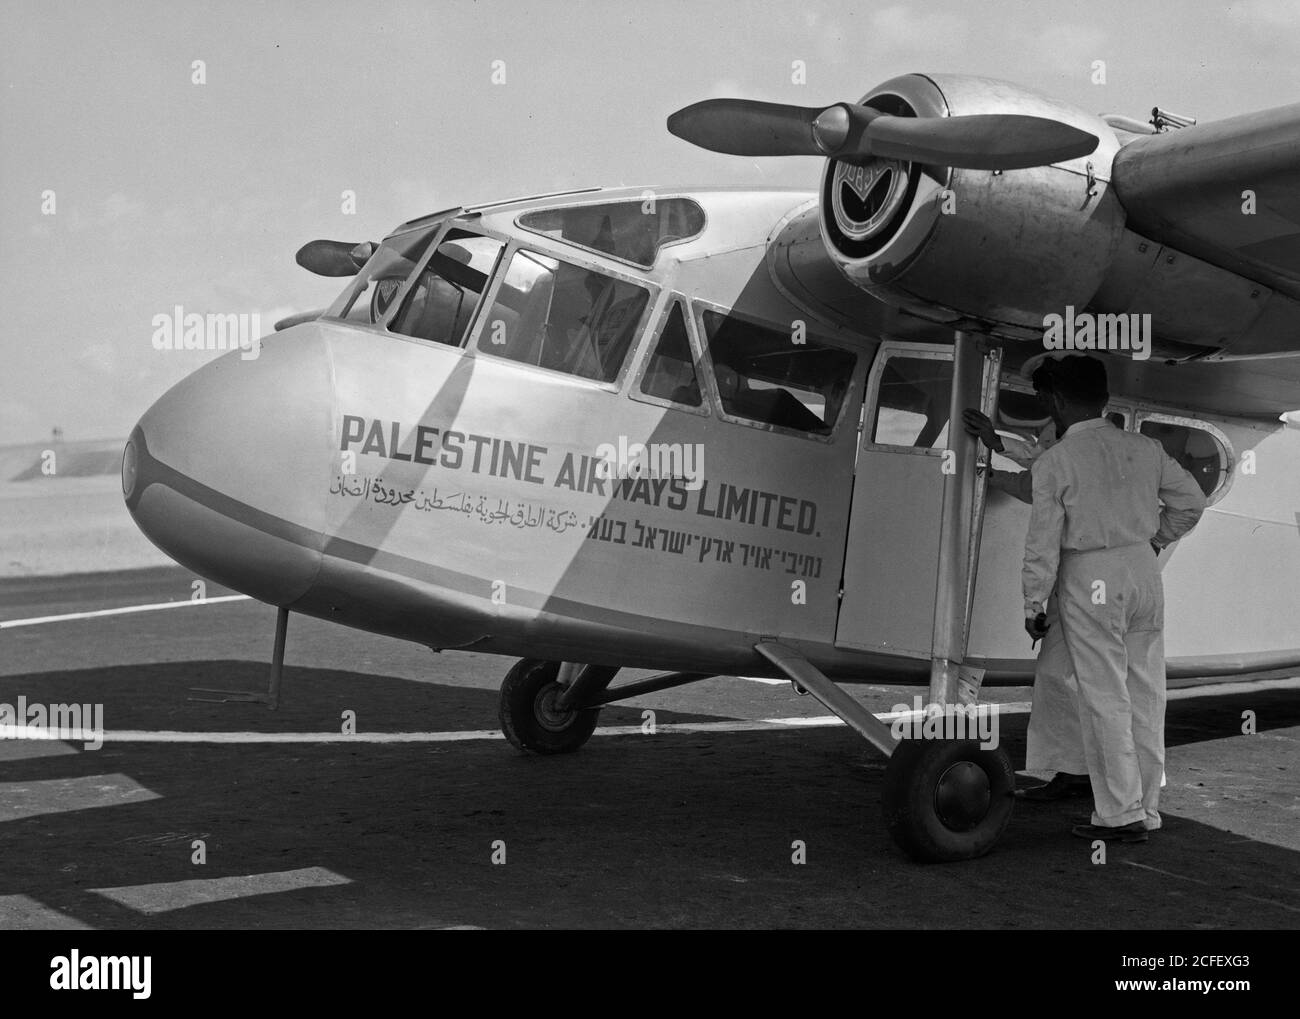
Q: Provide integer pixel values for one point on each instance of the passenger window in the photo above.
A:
(913, 402)
(440, 303)
(764, 376)
(670, 374)
(1196, 450)
(563, 317)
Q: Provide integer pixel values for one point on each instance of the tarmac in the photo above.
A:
(381, 794)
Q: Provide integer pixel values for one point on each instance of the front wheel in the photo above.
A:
(947, 800)
(529, 717)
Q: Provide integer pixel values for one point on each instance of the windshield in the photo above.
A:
(557, 315)
(440, 305)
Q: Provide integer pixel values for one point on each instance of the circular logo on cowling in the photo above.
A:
(865, 198)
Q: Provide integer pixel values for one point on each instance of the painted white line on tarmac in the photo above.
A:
(166, 896)
(1010, 708)
(36, 620)
(22, 912)
(40, 797)
(171, 736)
(469, 735)
(1198, 881)
(1184, 693)
(1167, 873)
(463, 736)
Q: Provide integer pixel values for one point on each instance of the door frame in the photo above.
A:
(963, 492)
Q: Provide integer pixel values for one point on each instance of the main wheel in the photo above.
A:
(947, 800)
(529, 717)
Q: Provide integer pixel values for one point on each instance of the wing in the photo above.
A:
(1227, 192)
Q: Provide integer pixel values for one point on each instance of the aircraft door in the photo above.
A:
(917, 503)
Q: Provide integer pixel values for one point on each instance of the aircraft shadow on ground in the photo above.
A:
(693, 829)
(166, 696)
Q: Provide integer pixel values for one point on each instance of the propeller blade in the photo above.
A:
(333, 258)
(745, 127)
(982, 141)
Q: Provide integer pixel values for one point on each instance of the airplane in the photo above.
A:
(707, 431)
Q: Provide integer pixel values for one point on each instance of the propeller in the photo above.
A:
(334, 258)
(855, 134)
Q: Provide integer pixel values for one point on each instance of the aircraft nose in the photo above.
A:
(228, 472)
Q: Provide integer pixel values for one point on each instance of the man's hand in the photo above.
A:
(1036, 627)
(977, 424)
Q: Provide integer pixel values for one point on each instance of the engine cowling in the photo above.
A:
(974, 248)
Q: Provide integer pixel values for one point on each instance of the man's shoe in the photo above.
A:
(1063, 786)
(1135, 832)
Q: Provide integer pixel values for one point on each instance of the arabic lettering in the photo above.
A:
(519, 514)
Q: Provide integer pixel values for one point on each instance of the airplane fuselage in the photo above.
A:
(450, 496)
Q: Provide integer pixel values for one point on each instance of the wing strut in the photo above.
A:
(974, 384)
(803, 673)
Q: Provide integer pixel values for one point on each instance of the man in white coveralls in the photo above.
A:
(1095, 518)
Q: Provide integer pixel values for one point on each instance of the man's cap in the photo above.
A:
(1080, 379)
(1042, 377)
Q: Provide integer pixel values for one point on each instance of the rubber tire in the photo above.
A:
(911, 814)
(521, 693)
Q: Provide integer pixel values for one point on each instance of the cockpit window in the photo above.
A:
(560, 316)
(777, 378)
(632, 230)
(440, 305)
(670, 374)
(383, 275)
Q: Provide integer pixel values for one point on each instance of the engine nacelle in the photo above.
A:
(975, 248)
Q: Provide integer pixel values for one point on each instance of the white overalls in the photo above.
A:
(1096, 509)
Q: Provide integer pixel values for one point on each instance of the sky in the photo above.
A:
(170, 192)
